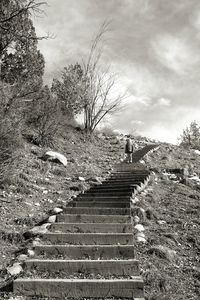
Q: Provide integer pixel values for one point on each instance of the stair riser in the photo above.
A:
(79, 289)
(124, 179)
(105, 268)
(93, 218)
(119, 183)
(107, 193)
(107, 198)
(112, 188)
(89, 239)
(102, 199)
(100, 204)
(96, 211)
(92, 228)
(87, 252)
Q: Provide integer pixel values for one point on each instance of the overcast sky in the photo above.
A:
(153, 46)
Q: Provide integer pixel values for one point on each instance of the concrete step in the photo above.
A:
(87, 251)
(92, 227)
(96, 211)
(69, 267)
(103, 204)
(79, 288)
(93, 218)
(89, 238)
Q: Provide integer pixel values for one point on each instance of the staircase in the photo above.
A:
(89, 251)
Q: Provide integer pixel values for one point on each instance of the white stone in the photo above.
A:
(45, 225)
(161, 222)
(52, 219)
(81, 178)
(36, 242)
(22, 257)
(40, 229)
(31, 253)
(135, 200)
(45, 192)
(15, 269)
(136, 219)
(56, 156)
(37, 204)
(197, 152)
(141, 239)
(139, 227)
(57, 210)
(140, 234)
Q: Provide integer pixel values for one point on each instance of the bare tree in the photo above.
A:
(100, 98)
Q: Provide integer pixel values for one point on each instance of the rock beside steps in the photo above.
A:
(89, 251)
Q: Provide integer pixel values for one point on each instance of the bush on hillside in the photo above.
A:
(43, 119)
(191, 136)
(10, 148)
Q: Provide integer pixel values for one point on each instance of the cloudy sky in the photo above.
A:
(152, 45)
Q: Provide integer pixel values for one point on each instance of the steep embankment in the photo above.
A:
(170, 259)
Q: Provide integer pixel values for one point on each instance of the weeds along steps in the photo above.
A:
(87, 248)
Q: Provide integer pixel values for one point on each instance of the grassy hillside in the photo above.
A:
(170, 207)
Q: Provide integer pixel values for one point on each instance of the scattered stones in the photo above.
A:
(139, 227)
(57, 210)
(55, 157)
(15, 269)
(52, 219)
(140, 212)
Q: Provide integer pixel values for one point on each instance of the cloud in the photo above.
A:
(164, 102)
(174, 53)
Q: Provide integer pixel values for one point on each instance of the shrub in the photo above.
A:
(10, 148)
(43, 119)
(191, 136)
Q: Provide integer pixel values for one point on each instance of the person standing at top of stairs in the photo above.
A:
(128, 150)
